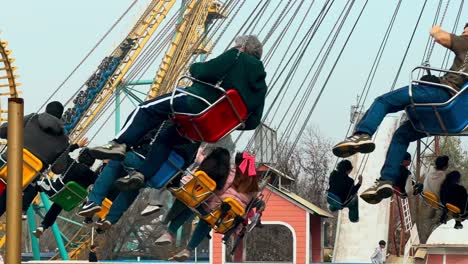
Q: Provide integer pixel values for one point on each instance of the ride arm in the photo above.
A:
(442, 37)
(213, 70)
(62, 161)
(4, 126)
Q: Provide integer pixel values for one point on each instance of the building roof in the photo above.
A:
(276, 171)
(301, 202)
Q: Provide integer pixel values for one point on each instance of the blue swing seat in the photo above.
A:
(168, 171)
(449, 118)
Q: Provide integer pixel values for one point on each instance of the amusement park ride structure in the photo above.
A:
(114, 76)
(187, 40)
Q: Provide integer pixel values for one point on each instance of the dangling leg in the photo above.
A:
(199, 234)
(148, 116)
(49, 219)
(391, 169)
(159, 153)
(353, 213)
(390, 102)
(101, 188)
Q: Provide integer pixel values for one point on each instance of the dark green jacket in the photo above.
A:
(246, 75)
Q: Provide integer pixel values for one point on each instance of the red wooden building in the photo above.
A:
(302, 218)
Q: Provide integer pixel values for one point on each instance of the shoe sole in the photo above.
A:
(37, 234)
(349, 148)
(131, 184)
(104, 226)
(89, 212)
(101, 155)
(163, 243)
(375, 197)
(179, 259)
(150, 212)
(88, 222)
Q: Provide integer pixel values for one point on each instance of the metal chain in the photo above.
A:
(431, 47)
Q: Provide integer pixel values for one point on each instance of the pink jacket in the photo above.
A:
(229, 191)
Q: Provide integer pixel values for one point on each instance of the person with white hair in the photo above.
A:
(238, 68)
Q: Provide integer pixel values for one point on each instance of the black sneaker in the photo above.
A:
(111, 150)
(444, 217)
(356, 143)
(458, 225)
(418, 188)
(133, 181)
(88, 220)
(380, 190)
(89, 209)
(104, 224)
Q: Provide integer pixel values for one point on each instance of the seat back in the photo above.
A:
(105, 208)
(216, 122)
(71, 195)
(168, 171)
(442, 119)
(453, 210)
(31, 168)
(195, 191)
(431, 199)
(2, 186)
(228, 221)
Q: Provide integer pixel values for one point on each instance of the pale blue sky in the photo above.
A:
(49, 38)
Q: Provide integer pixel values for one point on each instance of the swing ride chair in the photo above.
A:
(195, 193)
(433, 201)
(169, 171)
(337, 201)
(72, 195)
(448, 118)
(32, 167)
(219, 119)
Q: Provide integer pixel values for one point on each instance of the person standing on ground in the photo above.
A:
(92, 257)
(378, 256)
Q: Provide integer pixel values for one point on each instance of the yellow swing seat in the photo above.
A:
(453, 210)
(431, 199)
(105, 208)
(195, 191)
(31, 168)
(228, 220)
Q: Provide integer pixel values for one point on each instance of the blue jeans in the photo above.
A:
(393, 102)
(122, 202)
(111, 172)
(353, 208)
(201, 231)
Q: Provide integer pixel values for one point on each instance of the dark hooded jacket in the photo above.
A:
(342, 185)
(44, 137)
(246, 74)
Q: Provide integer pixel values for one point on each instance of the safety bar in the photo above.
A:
(439, 85)
(182, 90)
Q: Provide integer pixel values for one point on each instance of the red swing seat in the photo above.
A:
(219, 119)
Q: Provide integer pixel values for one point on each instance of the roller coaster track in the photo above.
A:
(7, 78)
(141, 33)
(184, 44)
